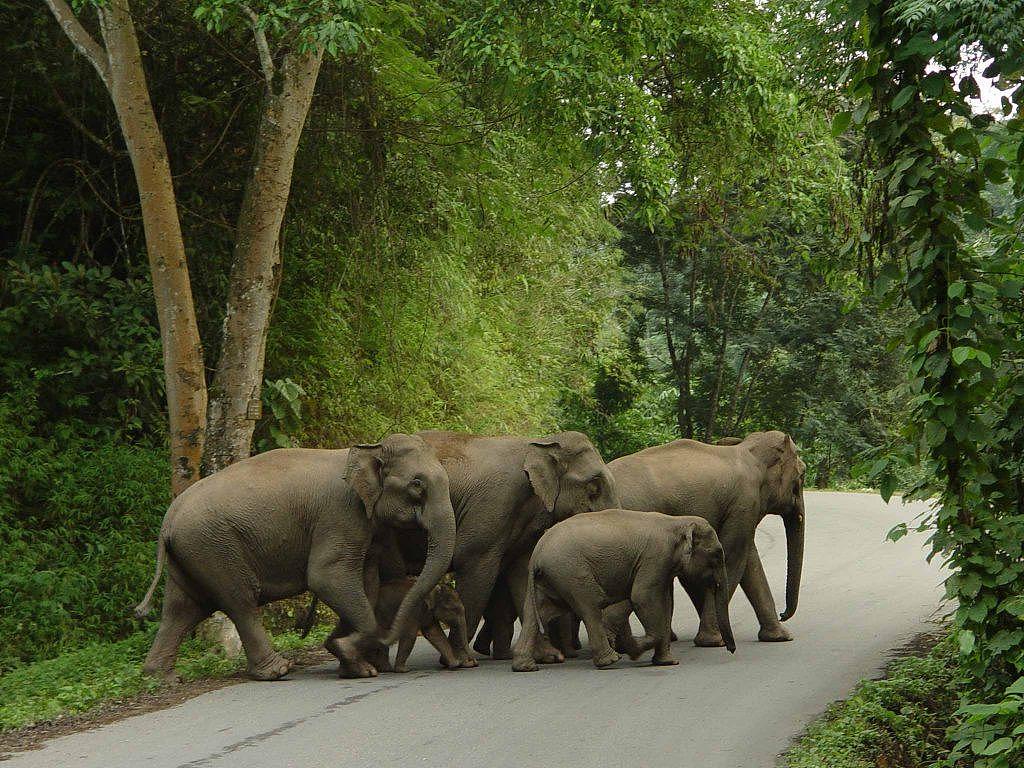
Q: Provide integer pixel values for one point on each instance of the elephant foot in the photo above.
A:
(356, 669)
(274, 667)
(400, 669)
(777, 634)
(165, 675)
(606, 659)
(665, 661)
(546, 653)
(502, 654)
(570, 653)
(708, 639)
(468, 663)
(524, 665)
(482, 646)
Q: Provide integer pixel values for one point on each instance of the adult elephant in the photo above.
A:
(733, 485)
(506, 491)
(277, 524)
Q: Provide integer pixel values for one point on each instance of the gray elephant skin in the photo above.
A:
(506, 491)
(274, 525)
(593, 561)
(732, 485)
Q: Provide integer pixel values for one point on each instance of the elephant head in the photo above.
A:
(699, 559)
(401, 483)
(783, 492)
(569, 475)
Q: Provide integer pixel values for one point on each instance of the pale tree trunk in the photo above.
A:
(119, 65)
(256, 269)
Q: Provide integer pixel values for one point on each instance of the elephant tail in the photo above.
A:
(143, 608)
(305, 623)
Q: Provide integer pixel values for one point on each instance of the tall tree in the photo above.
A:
(118, 62)
(290, 40)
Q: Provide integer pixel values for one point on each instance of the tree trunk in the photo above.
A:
(666, 312)
(734, 400)
(256, 269)
(179, 332)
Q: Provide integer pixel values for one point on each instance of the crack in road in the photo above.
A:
(259, 738)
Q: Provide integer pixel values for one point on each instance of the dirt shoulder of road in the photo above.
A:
(33, 736)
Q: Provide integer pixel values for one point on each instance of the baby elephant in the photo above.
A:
(594, 560)
(443, 604)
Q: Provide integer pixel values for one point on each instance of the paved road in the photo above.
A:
(861, 597)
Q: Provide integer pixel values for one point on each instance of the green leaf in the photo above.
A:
(934, 433)
(962, 353)
(903, 96)
(965, 638)
(997, 746)
(956, 289)
(841, 122)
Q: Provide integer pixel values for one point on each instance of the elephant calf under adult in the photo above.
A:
(733, 485)
(595, 560)
(442, 604)
(277, 524)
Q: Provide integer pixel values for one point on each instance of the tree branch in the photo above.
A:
(81, 38)
(266, 60)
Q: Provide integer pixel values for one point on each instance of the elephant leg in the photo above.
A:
(560, 631)
(264, 662)
(616, 624)
(485, 636)
(181, 614)
(495, 637)
(516, 575)
(341, 586)
(581, 596)
(405, 644)
(541, 610)
(653, 605)
(737, 551)
(475, 581)
(459, 641)
(708, 635)
(755, 587)
(436, 637)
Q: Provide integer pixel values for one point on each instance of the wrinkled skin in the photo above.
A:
(733, 486)
(442, 604)
(596, 561)
(277, 524)
(506, 492)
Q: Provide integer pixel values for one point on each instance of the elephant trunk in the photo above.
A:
(721, 597)
(794, 522)
(438, 519)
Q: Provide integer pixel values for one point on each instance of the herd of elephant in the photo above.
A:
(542, 530)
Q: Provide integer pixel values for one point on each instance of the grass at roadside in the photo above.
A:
(81, 680)
(896, 722)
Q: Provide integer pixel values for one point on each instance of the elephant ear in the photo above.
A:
(684, 543)
(365, 473)
(542, 467)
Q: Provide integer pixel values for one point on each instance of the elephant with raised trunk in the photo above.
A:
(597, 560)
(277, 524)
(732, 485)
(506, 492)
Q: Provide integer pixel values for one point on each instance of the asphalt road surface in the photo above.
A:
(862, 596)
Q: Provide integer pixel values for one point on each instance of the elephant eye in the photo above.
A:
(594, 488)
(417, 488)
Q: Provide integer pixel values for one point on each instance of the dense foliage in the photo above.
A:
(956, 258)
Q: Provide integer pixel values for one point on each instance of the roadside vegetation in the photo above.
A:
(898, 721)
(642, 220)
